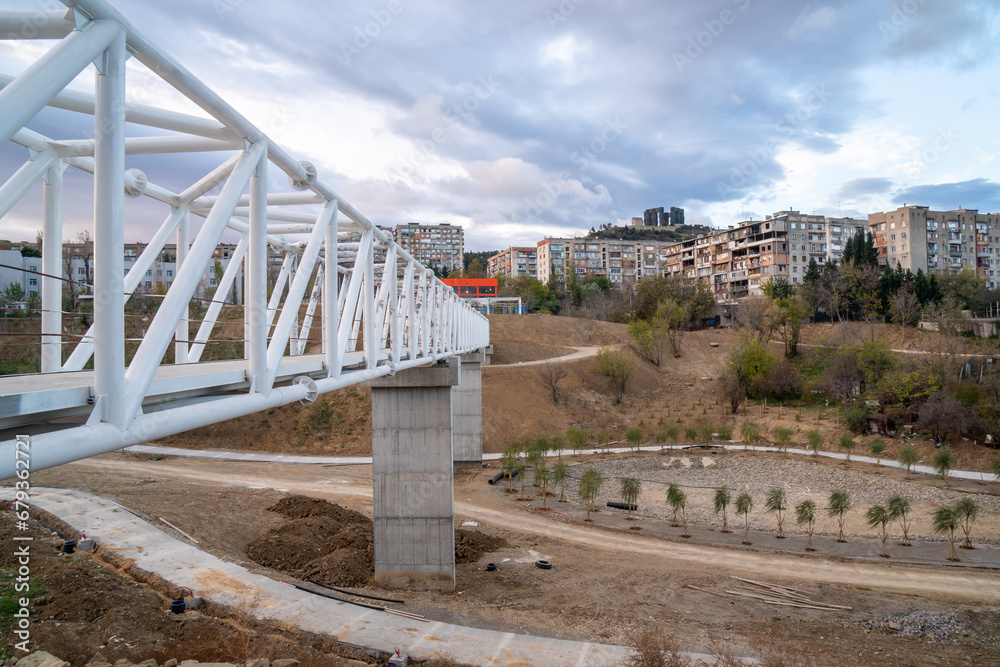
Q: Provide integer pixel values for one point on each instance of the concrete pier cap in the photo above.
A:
(413, 483)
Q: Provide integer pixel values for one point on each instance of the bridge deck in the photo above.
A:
(26, 399)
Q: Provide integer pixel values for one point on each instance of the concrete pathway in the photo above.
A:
(262, 457)
(231, 585)
(581, 353)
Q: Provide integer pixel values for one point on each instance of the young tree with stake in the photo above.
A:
(560, 471)
(815, 441)
(805, 513)
(846, 445)
(674, 495)
(943, 461)
(878, 517)
(908, 457)
(840, 502)
(542, 476)
(899, 510)
(590, 485)
(877, 448)
(723, 496)
(777, 503)
(630, 490)
(967, 511)
(946, 520)
(744, 505)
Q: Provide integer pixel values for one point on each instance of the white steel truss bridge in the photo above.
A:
(379, 310)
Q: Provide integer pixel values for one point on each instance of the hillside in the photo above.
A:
(628, 233)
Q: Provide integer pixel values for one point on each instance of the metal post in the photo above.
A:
(183, 333)
(255, 309)
(331, 303)
(52, 266)
(109, 234)
(368, 310)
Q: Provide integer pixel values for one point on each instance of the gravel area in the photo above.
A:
(699, 475)
(939, 628)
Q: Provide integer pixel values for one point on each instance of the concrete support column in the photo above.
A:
(467, 411)
(414, 504)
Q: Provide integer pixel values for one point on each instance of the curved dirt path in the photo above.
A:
(977, 586)
(581, 353)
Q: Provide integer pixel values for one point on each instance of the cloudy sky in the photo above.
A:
(525, 118)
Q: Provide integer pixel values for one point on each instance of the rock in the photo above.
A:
(147, 663)
(258, 662)
(123, 663)
(41, 659)
(98, 661)
(170, 663)
(893, 625)
(287, 662)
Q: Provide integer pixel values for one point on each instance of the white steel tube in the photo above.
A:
(52, 229)
(28, 94)
(109, 233)
(143, 367)
(35, 24)
(314, 296)
(368, 309)
(290, 313)
(183, 333)
(152, 145)
(255, 310)
(207, 182)
(223, 289)
(331, 302)
(139, 114)
(23, 179)
(279, 286)
(352, 300)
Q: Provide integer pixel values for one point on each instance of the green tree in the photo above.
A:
(744, 505)
(542, 476)
(750, 433)
(590, 486)
(877, 448)
(776, 502)
(577, 438)
(946, 520)
(899, 510)
(12, 293)
(558, 444)
(723, 496)
(691, 434)
(647, 339)
(846, 445)
(786, 315)
(967, 511)
(706, 431)
(674, 497)
(634, 437)
(603, 437)
(840, 502)
(943, 461)
(475, 269)
(671, 319)
(782, 437)
(560, 472)
(673, 434)
(508, 463)
(878, 517)
(630, 490)
(805, 513)
(815, 441)
(908, 457)
(617, 366)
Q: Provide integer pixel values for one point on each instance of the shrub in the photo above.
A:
(690, 434)
(617, 366)
(725, 433)
(856, 418)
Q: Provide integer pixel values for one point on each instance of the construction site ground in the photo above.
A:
(611, 577)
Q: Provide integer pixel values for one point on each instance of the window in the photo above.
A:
(149, 272)
(80, 271)
(32, 281)
(211, 282)
(170, 273)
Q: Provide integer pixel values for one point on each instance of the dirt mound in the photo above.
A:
(335, 545)
(471, 544)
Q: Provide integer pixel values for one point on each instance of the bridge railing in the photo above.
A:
(380, 309)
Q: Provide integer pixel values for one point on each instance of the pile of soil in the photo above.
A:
(335, 546)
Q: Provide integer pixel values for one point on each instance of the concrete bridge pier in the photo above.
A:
(467, 410)
(412, 470)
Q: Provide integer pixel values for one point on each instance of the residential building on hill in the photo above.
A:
(513, 262)
(438, 245)
(917, 238)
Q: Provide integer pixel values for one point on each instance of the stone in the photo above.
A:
(286, 662)
(147, 663)
(893, 625)
(258, 662)
(170, 663)
(41, 659)
(98, 661)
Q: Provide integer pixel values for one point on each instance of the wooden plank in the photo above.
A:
(179, 530)
(704, 590)
(817, 605)
(765, 585)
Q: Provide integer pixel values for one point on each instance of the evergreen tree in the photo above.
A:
(813, 274)
(921, 288)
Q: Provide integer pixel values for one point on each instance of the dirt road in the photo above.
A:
(353, 484)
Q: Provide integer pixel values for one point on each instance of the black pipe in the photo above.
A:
(360, 595)
(623, 506)
(497, 477)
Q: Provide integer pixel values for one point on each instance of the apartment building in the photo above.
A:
(513, 262)
(438, 245)
(618, 260)
(552, 259)
(816, 237)
(918, 238)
